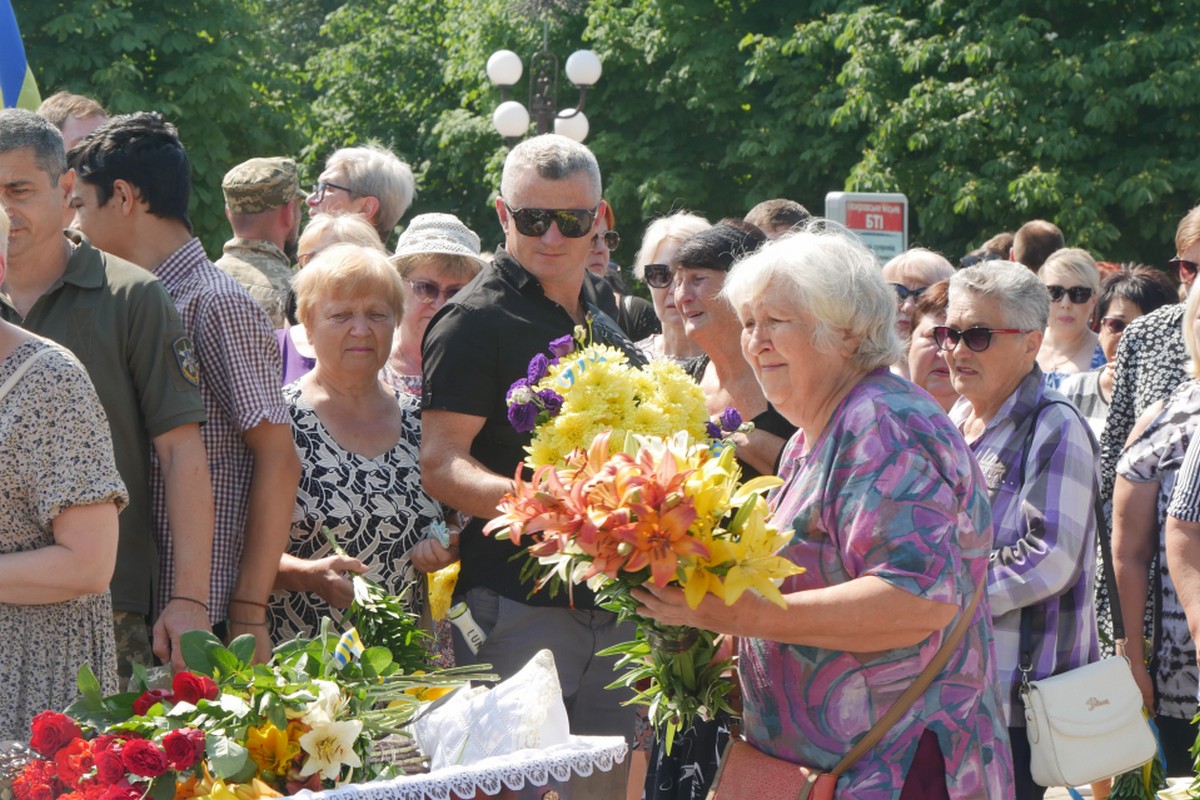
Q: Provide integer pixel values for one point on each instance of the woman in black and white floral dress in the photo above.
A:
(1146, 476)
(358, 442)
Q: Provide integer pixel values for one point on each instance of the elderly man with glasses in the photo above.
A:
(369, 181)
(536, 290)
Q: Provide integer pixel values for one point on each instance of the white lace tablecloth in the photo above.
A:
(580, 756)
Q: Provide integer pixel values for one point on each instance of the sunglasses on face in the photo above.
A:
(1184, 268)
(976, 339)
(612, 240)
(1077, 294)
(428, 292)
(321, 187)
(657, 276)
(1113, 324)
(573, 223)
(903, 292)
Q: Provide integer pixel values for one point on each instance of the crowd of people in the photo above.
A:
(186, 440)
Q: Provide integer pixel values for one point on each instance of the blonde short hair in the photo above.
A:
(338, 229)
(347, 270)
(918, 264)
(1076, 262)
(674, 227)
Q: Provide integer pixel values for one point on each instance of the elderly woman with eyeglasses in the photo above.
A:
(890, 520)
(1039, 461)
(437, 255)
(653, 265)
(1070, 346)
(910, 274)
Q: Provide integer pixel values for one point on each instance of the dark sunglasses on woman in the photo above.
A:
(573, 223)
(657, 275)
(1186, 270)
(1113, 324)
(976, 339)
(1078, 294)
(612, 240)
(903, 292)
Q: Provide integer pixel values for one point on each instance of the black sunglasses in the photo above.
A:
(1077, 294)
(612, 239)
(903, 292)
(976, 339)
(1185, 268)
(657, 275)
(321, 187)
(573, 223)
(1113, 324)
(428, 291)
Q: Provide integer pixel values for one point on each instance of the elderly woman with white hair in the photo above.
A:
(891, 523)
(653, 265)
(910, 274)
(1040, 463)
(1070, 345)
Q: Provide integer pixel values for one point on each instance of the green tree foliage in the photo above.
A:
(195, 61)
(990, 114)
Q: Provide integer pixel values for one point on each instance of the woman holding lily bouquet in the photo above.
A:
(892, 527)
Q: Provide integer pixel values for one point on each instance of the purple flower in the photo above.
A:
(551, 401)
(562, 345)
(713, 430)
(537, 368)
(731, 420)
(519, 392)
(523, 416)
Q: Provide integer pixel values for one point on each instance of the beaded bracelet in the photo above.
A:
(263, 606)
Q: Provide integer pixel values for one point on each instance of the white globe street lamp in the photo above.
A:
(511, 118)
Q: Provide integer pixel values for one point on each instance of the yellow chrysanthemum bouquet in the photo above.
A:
(638, 486)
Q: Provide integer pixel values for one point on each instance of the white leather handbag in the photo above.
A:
(1086, 724)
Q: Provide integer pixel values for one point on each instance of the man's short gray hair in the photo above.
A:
(552, 157)
(374, 171)
(21, 129)
(832, 276)
(1018, 292)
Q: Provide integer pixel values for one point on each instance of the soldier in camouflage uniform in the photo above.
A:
(262, 203)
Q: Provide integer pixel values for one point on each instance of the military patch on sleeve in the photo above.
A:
(185, 356)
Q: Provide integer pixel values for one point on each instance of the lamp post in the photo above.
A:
(511, 118)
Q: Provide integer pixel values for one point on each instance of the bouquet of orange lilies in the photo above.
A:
(647, 509)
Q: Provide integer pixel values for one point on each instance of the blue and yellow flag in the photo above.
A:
(348, 648)
(17, 87)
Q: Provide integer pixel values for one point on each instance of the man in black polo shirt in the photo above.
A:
(475, 348)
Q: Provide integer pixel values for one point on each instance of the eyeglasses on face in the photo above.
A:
(976, 339)
(1113, 324)
(657, 276)
(1184, 268)
(428, 291)
(1077, 294)
(573, 223)
(321, 187)
(903, 292)
(612, 240)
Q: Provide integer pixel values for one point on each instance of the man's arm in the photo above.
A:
(189, 499)
(449, 472)
(273, 481)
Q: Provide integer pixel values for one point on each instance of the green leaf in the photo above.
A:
(226, 758)
(243, 648)
(197, 647)
(89, 687)
(163, 787)
(376, 659)
(225, 661)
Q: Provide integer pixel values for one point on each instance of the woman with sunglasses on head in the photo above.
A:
(910, 274)
(1038, 459)
(437, 255)
(653, 265)
(1124, 296)
(1070, 345)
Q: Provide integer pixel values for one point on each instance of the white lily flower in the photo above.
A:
(330, 745)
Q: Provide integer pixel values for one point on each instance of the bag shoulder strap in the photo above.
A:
(1103, 534)
(918, 686)
(22, 368)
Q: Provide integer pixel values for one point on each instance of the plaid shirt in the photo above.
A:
(1044, 555)
(240, 368)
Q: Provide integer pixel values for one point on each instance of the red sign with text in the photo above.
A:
(882, 217)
